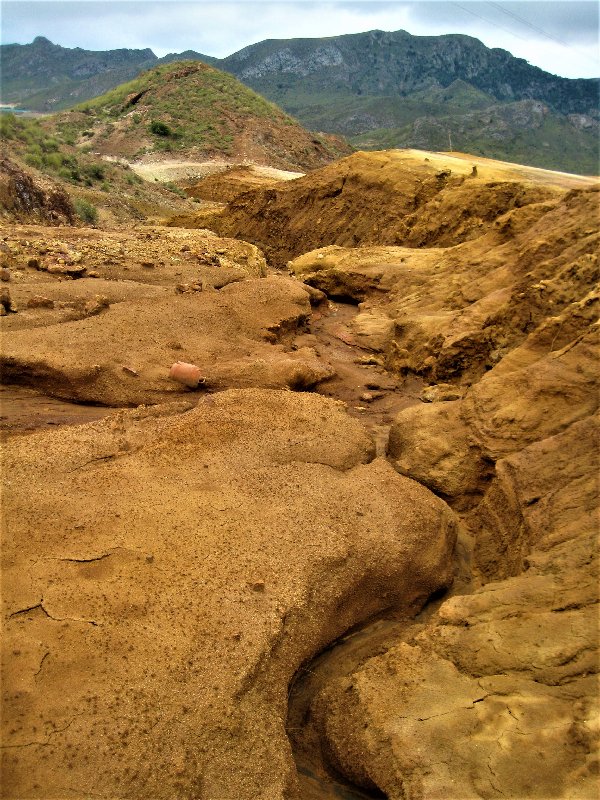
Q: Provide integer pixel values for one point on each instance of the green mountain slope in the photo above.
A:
(397, 90)
(195, 111)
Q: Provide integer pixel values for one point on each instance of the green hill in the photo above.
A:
(191, 109)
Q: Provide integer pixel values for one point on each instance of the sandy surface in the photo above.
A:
(492, 169)
(178, 171)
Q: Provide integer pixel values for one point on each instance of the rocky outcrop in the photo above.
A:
(508, 669)
(196, 298)
(455, 312)
(25, 198)
(178, 565)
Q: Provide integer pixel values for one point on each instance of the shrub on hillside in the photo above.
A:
(86, 211)
(159, 128)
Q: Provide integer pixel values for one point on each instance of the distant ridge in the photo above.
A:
(446, 92)
(43, 76)
(400, 64)
(380, 89)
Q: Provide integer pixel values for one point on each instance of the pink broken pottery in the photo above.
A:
(187, 374)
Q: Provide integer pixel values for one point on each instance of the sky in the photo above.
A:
(560, 37)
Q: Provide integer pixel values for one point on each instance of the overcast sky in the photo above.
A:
(561, 37)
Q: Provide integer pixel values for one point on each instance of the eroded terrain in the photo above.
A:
(389, 466)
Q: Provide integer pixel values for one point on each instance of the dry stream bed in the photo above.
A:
(251, 561)
(371, 395)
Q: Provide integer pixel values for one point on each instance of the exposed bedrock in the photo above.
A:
(452, 446)
(165, 574)
(32, 199)
(497, 694)
(112, 341)
(168, 570)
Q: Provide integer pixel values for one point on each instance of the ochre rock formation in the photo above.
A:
(494, 693)
(390, 197)
(170, 571)
(498, 692)
(165, 574)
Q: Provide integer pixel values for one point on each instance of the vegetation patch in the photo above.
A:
(51, 152)
(160, 128)
(86, 211)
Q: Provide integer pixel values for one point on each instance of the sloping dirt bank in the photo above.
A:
(389, 198)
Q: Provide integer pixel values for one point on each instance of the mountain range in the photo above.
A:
(379, 89)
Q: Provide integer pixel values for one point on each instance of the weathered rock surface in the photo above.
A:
(450, 446)
(497, 694)
(165, 310)
(455, 312)
(504, 679)
(165, 574)
(30, 199)
(227, 334)
(175, 566)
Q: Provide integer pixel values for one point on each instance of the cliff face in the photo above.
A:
(382, 63)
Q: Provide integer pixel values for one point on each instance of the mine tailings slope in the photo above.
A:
(398, 197)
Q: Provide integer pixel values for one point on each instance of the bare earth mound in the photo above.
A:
(393, 197)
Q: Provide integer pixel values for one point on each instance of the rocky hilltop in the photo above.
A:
(300, 498)
(392, 89)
